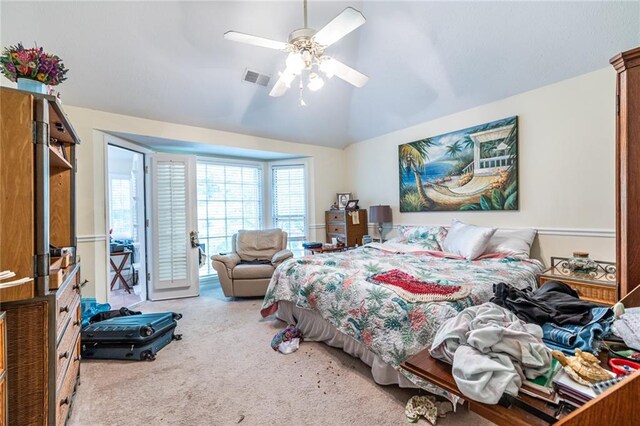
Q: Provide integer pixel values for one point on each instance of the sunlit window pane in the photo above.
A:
(289, 207)
(229, 199)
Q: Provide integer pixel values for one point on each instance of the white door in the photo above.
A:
(174, 270)
(126, 223)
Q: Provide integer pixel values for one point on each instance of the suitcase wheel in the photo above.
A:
(177, 316)
(177, 337)
(146, 330)
(148, 356)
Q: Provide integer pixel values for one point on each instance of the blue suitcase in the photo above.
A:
(137, 337)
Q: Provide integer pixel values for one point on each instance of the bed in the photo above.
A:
(331, 299)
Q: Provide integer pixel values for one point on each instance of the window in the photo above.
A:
(122, 211)
(289, 203)
(229, 199)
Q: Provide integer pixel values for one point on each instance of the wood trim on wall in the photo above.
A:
(91, 238)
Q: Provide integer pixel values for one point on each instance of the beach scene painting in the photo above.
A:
(474, 169)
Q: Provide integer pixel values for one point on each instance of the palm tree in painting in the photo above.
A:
(413, 157)
(468, 142)
(454, 150)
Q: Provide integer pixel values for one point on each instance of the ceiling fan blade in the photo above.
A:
(283, 84)
(255, 40)
(279, 88)
(347, 21)
(348, 74)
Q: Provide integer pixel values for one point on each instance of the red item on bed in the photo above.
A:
(414, 290)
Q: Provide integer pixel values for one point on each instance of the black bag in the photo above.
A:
(136, 337)
(122, 312)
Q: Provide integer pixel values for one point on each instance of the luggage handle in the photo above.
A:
(65, 354)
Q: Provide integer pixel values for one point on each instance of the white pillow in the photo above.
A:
(515, 243)
(468, 241)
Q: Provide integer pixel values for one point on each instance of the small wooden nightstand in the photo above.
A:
(599, 286)
(327, 249)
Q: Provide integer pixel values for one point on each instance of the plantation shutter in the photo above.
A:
(121, 208)
(289, 198)
(172, 221)
(175, 261)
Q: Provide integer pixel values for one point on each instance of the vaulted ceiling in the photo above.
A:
(168, 61)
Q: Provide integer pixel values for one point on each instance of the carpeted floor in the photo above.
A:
(224, 372)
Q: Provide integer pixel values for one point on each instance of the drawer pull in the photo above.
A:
(76, 359)
(64, 402)
(76, 323)
(64, 309)
(76, 287)
(64, 355)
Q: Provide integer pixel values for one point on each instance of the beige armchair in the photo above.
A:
(247, 270)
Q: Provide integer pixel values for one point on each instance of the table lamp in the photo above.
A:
(380, 215)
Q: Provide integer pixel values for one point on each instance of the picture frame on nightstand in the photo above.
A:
(343, 199)
(352, 205)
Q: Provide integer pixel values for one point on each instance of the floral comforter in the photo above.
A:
(336, 286)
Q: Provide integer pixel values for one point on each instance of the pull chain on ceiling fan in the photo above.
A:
(306, 53)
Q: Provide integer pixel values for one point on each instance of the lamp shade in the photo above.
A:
(380, 214)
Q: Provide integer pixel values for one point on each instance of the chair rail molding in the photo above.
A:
(563, 232)
(91, 238)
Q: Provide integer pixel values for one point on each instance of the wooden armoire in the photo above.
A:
(627, 64)
(37, 214)
(618, 405)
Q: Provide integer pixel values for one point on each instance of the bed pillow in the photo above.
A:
(429, 237)
(468, 241)
(515, 243)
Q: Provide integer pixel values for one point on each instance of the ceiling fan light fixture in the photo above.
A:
(295, 63)
(306, 56)
(327, 66)
(315, 82)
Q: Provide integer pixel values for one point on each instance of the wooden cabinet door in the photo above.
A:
(16, 191)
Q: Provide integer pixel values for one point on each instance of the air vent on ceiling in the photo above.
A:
(255, 77)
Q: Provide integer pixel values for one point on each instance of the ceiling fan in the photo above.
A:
(306, 53)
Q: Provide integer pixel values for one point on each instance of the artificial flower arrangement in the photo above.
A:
(34, 64)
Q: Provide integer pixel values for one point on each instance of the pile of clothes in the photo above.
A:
(492, 351)
(494, 347)
(568, 323)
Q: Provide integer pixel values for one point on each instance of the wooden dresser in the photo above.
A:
(340, 224)
(37, 211)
